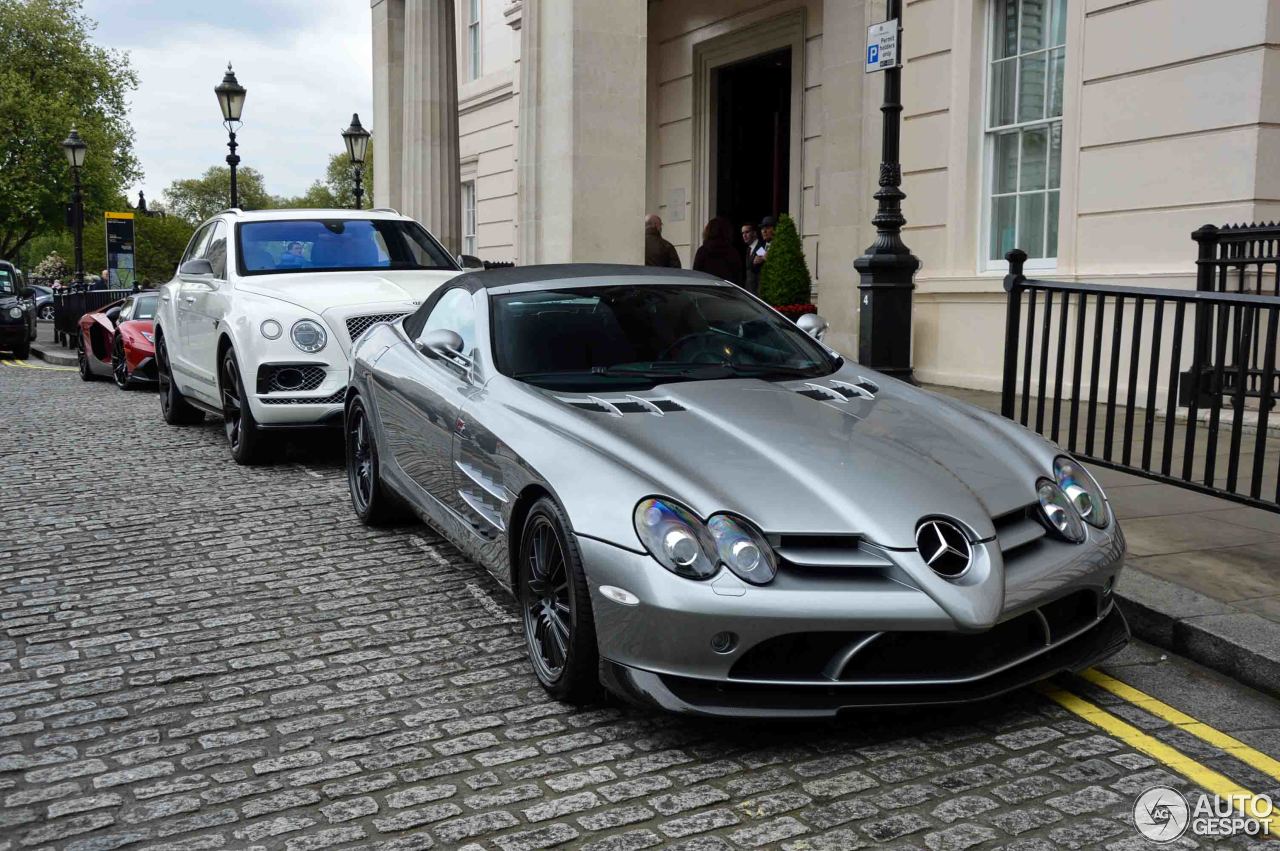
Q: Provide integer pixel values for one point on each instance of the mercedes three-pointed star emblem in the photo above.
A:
(944, 547)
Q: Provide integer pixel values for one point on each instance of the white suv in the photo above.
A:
(258, 324)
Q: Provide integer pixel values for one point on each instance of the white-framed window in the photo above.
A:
(1024, 130)
(473, 39)
(469, 245)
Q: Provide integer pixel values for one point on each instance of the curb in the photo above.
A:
(53, 354)
(1242, 645)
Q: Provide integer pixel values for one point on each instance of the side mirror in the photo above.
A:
(445, 344)
(198, 267)
(27, 293)
(468, 261)
(113, 314)
(813, 325)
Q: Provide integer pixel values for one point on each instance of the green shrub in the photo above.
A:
(785, 278)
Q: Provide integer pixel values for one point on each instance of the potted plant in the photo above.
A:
(785, 282)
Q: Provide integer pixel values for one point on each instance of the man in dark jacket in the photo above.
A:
(657, 251)
(757, 251)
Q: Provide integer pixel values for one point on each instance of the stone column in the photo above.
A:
(581, 140)
(429, 167)
(388, 100)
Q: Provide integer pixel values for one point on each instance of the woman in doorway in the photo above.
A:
(718, 255)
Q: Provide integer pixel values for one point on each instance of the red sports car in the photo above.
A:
(116, 341)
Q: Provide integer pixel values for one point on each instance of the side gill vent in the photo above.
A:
(628, 405)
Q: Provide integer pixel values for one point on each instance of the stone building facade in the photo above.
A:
(1095, 134)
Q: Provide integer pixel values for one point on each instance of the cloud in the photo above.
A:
(307, 65)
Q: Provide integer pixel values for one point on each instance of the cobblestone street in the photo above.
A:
(199, 655)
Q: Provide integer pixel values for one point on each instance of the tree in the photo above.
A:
(198, 198)
(52, 77)
(338, 189)
(785, 277)
(158, 246)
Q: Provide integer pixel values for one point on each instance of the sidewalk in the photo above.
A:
(44, 347)
(1203, 573)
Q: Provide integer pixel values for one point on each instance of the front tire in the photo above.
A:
(173, 406)
(373, 501)
(82, 360)
(119, 366)
(244, 435)
(555, 605)
(46, 313)
(22, 351)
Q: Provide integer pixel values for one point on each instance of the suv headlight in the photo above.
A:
(686, 546)
(1058, 512)
(1082, 490)
(15, 313)
(308, 336)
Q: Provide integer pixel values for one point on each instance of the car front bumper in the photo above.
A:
(15, 334)
(812, 645)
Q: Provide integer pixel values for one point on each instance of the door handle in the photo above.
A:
(189, 299)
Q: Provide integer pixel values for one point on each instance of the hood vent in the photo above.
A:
(840, 391)
(627, 405)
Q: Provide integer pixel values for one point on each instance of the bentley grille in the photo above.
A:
(334, 399)
(357, 325)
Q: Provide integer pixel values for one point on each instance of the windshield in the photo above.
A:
(330, 245)
(7, 284)
(598, 338)
(144, 307)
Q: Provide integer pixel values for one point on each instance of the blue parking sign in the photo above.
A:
(873, 54)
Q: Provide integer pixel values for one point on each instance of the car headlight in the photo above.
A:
(1058, 511)
(148, 336)
(15, 313)
(742, 549)
(676, 538)
(270, 329)
(308, 336)
(1082, 490)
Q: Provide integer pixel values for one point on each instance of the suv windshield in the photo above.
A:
(598, 338)
(332, 245)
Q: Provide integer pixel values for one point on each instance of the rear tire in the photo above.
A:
(555, 607)
(175, 409)
(46, 313)
(244, 436)
(82, 360)
(374, 503)
(22, 351)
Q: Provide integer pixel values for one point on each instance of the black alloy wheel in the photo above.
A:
(82, 359)
(119, 367)
(556, 607)
(373, 501)
(245, 438)
(173, 407)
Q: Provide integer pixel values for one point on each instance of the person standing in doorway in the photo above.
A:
(657, 251)
(717, 255)
(757, 251)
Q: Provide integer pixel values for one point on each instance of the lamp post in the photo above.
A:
(231, 98)
(357, 140)
(74, 147)
(887, 268)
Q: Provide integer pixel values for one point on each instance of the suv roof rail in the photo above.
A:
(230, 210)
(385, 210)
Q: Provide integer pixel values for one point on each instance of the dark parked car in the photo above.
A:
(17, 313)
(43, 297)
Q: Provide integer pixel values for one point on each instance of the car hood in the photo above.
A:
(800, 465)
(321, 291)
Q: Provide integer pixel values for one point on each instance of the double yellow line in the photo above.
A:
(25, 365)
(1201, 775)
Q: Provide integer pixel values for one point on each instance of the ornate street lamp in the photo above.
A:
(75, 148)
(357, 139)
(231, 98)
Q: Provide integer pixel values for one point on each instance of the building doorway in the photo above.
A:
(751, 147)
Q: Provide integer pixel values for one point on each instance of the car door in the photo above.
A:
(206, 302)
(186, 294)
(419, 398)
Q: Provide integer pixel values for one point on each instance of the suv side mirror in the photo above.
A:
(468, 261)
(196, 267)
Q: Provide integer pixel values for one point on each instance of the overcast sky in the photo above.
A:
(307, 66)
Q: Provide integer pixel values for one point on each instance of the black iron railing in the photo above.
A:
(1096, 369)
(70, 303)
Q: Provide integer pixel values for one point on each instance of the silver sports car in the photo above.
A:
(702, 507)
